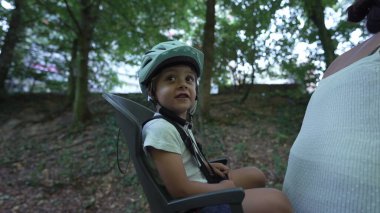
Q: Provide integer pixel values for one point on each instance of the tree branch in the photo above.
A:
(76, 23)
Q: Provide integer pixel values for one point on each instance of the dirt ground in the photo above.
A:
(48, 165)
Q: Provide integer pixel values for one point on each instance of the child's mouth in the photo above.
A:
(182, 96)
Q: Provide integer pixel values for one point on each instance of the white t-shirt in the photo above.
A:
(162, 135)
(334, 164)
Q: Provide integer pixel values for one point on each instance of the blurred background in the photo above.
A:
(263, 60)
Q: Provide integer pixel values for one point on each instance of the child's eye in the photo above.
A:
(170, 78)
(190, 78)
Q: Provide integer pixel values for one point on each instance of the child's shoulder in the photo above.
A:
(161, 128)
(159, 124)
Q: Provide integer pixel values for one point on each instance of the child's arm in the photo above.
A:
(173, 174)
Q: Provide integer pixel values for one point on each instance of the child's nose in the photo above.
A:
(182, 83)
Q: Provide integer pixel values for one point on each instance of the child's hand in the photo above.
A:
(220, 169)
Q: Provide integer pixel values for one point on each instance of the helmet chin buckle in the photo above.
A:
(193, 108)
(154, 102)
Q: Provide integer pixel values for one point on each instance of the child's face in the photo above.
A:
(176, 89)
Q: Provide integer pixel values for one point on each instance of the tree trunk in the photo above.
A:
(208, 50)
(249, 86)
(73, 69)
(315, 11)
(89, 12)
(10, 41)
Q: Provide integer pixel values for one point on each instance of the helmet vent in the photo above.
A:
(147, 62)
(161, 48)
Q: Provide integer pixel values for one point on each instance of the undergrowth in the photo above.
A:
(56, 157)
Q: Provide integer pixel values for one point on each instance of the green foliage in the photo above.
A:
(4, 16)
(241, 27)
(302, 73)
(126, 29)
(130, 34)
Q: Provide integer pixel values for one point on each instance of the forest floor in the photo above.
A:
(48, 165)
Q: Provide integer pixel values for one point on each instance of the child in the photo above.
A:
(168, 77)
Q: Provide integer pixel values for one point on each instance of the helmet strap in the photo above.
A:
(173, 116)
(192, 110)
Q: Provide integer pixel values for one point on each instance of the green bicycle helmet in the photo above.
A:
(166, 54)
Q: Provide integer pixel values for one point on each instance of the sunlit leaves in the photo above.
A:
(240, 40)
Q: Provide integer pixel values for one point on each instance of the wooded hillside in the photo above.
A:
(48, 166)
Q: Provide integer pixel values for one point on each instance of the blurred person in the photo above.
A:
(334, 164)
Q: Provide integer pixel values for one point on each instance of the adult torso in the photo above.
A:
(334, 162)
